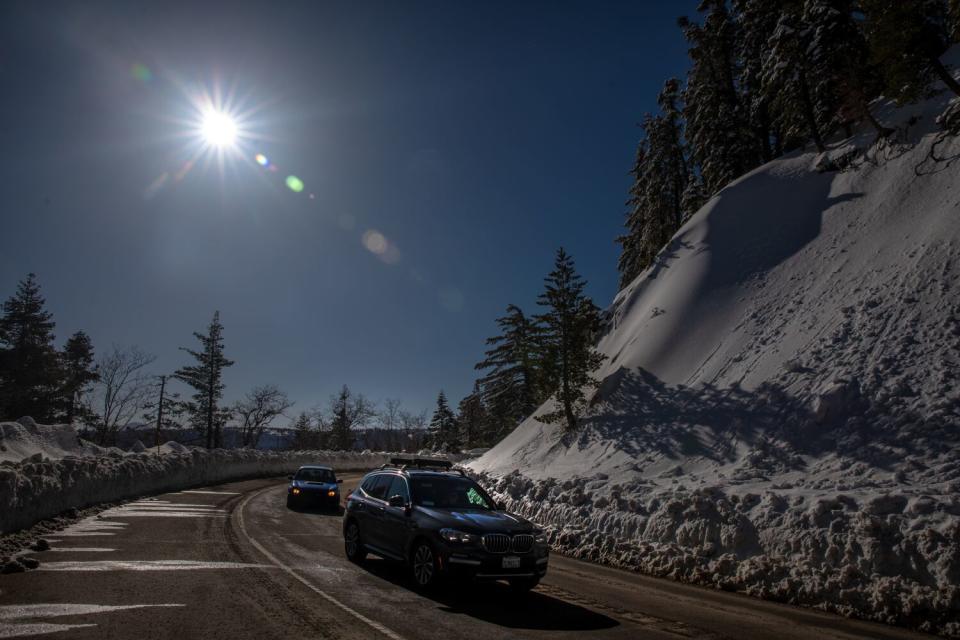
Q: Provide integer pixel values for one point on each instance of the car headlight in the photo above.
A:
(539, 535)
(452, 535)
(295, 491)
(331, 493)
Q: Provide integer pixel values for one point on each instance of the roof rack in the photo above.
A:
(421, 463)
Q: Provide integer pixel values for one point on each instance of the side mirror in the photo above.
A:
(397, 501)
(289, 477)
(500, 506)
(339, 480)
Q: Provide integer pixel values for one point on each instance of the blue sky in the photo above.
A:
(474, 138)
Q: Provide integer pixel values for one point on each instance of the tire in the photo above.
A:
(523, 585)
(352, 545)
(291, 503)
(423, 565)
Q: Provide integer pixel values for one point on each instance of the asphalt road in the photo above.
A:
(232, 562)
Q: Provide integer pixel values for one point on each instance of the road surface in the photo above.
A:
(231, 561)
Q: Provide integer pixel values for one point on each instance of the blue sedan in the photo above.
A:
(314, 485)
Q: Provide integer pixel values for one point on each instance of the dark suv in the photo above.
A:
(440, 523)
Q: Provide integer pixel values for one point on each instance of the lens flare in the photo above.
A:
(261, 160)
(295, 184)
(141, 72)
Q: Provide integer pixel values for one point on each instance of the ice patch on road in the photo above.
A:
(10, 615)
(215, 493)
(81, 549)
(146, 565)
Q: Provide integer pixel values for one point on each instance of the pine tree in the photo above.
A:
(304, 435)
(79, 372)
(442, 432)
(718, 131)
(509, 389)
(570, 322)
(30, 375)
(906, 40)
(756, 21)
(347, 411)
(472, 419)
(206, 379)
(788, 81)
(659, 196)
(838, 59)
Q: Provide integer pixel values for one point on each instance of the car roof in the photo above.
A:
(316, 466)
(417, 472)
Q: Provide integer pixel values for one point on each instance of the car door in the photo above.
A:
(375, 504)
(364, 508)
(396, 523)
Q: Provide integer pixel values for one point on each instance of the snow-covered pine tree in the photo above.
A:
(839, 64)
(570, 323)
(472, 419)
(30, 373)
(756, 21)
(630, 263)
(906, 40)
(79, 372)
(206, 379)
(509, 389)
(788, 80)
(717, 129)
(442, 432)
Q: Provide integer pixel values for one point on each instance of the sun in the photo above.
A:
(218, 129)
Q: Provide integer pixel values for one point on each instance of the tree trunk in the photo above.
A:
(945, 75)
(808, 113)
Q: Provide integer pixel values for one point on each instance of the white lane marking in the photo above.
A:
(10, 615)
(81, 549)
(145, 565)
(178, 505)
(329, 598)
(215, 493)
(166, 514)
(82, 534)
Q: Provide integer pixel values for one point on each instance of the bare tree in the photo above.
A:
(258, 408)
(414, 427)
(122, 391)
(390, 419)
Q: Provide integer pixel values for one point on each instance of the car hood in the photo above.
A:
(313, 486)
(478, 521)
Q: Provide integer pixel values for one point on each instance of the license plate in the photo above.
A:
(511, 562)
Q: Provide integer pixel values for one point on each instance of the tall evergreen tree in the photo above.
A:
(839, 62)
(756, 21)
(718, 131)
(442, 432)
(509, 389)
(79, 372)
(305, 437)
(348, 411)
(570, 322)
(906, 40)
(206, 379)
(30, 373)
(472, 419)
(788, 80)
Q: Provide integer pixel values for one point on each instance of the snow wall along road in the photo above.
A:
(31, 491)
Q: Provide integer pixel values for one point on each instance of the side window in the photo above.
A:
(369, 484)
(379, 488)
(398, 487)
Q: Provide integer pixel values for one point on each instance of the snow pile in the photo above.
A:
(26, 438)
(779, 412)
(36, 489)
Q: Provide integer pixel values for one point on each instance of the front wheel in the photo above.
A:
(352, 544)
(291, 502)
(523, 585)
(424, 565)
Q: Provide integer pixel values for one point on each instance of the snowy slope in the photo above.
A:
(781, 388)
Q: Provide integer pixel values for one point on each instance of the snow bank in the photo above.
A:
(39, 488)
(26, 438)
(779, 412)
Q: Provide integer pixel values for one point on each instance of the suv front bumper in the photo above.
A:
(476, 563)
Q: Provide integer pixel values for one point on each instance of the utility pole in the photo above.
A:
(163, 385)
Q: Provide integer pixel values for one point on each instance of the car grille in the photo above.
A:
(502, 543)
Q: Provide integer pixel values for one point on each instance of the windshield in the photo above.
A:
(449, 493)
(316, 475)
